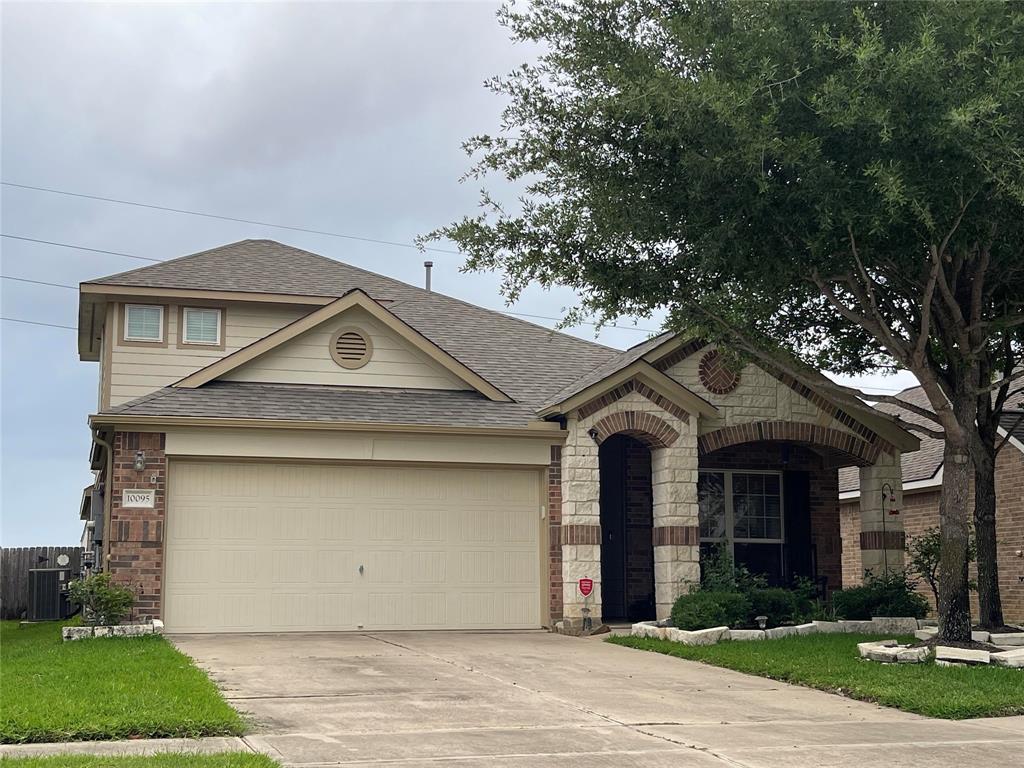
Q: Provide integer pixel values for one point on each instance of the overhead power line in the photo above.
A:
(39, 282)
(147, 258)
(205, 215)
(78, 247)
(36, 322)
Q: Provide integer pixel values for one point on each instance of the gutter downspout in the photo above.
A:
(107, 491)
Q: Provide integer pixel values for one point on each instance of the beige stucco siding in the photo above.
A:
(758, 397)
(138, 370)
(306, 360)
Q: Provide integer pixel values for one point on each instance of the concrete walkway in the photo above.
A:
(536, 699)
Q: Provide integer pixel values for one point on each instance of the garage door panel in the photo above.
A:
(440, 548)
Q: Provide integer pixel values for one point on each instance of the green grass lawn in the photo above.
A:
(107, 688)
(830, 662)
(165, 760)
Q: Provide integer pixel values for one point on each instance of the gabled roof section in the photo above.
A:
(355, 298)
(528, 362)
(925, 464)
(615, 364)
(645, 372)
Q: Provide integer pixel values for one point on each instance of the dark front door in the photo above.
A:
(627, 552)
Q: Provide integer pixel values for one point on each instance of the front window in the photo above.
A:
(143, 322)
(743, 512)
(201, 326)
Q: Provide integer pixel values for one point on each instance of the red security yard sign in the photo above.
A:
(586, 587)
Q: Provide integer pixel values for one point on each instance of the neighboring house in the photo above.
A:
(922, 481)
(284, 442)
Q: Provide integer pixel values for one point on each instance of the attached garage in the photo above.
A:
(280, 547)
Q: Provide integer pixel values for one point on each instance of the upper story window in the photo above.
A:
(144, 322)
(201, 325)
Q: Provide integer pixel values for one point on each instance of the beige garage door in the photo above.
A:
(254, 547)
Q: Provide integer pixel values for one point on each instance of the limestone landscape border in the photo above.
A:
(888, 651)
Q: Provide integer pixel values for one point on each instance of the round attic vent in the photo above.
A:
(351, 348)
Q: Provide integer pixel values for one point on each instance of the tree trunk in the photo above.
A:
(954, 605)
(990, 605)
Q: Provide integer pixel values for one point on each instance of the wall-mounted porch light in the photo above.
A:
(593, 434)
(140, 460)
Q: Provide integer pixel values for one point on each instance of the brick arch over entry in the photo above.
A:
(645, 427)
(862, 453)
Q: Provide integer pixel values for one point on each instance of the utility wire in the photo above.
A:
(39, 282)
(205, 215)
(78, 247)
(147, 258)
(36, 322)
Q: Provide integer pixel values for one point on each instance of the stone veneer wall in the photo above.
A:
(674, 504)
(136, 536)
(823, 500)
(759, 396)
(920, 511)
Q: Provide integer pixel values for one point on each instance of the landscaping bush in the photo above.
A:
(776, 603)
(706, 608)
(889, 595)
(102, 601)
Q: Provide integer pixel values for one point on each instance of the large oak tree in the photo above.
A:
(821, 185)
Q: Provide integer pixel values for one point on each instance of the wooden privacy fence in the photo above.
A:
(15, 563)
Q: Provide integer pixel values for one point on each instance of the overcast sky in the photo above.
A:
(340, 117)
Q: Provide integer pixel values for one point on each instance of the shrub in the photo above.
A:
(925, 552)
(718, 573)
(102, 602)
(889, 595)
(705, 608)
(778, 604)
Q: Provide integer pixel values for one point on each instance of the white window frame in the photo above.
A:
(144, 339)
(729, 539)
(184, 326)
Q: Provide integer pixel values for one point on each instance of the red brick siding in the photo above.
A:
(555, 534)
(136, 536)
(823, 496)
(921, 511)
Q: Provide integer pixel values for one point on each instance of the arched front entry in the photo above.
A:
(627, 549)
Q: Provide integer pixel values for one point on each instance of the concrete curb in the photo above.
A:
(205, 746)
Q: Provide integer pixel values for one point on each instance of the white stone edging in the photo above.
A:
(888, 651)
(156, 627)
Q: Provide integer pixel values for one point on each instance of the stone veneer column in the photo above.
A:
(676, 526)
(581, 526)
(882, 540)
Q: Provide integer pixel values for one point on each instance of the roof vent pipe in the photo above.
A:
(428, 265)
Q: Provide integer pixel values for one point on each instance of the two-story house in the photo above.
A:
(285, 442)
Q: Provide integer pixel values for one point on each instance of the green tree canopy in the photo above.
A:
(840, 184)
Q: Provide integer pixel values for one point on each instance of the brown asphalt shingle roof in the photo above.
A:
(526, 361)
(923, 463)
(318, 403)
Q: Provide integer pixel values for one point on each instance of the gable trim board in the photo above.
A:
(354, 298)
(647, 374)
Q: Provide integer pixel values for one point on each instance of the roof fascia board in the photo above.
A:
(536, 429)
(655, 379)
(189, 293)
(1010, 439)
(355, 298)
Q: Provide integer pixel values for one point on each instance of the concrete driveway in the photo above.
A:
(536, 699)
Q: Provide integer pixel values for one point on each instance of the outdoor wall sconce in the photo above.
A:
(593, 434)
(140, 460)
